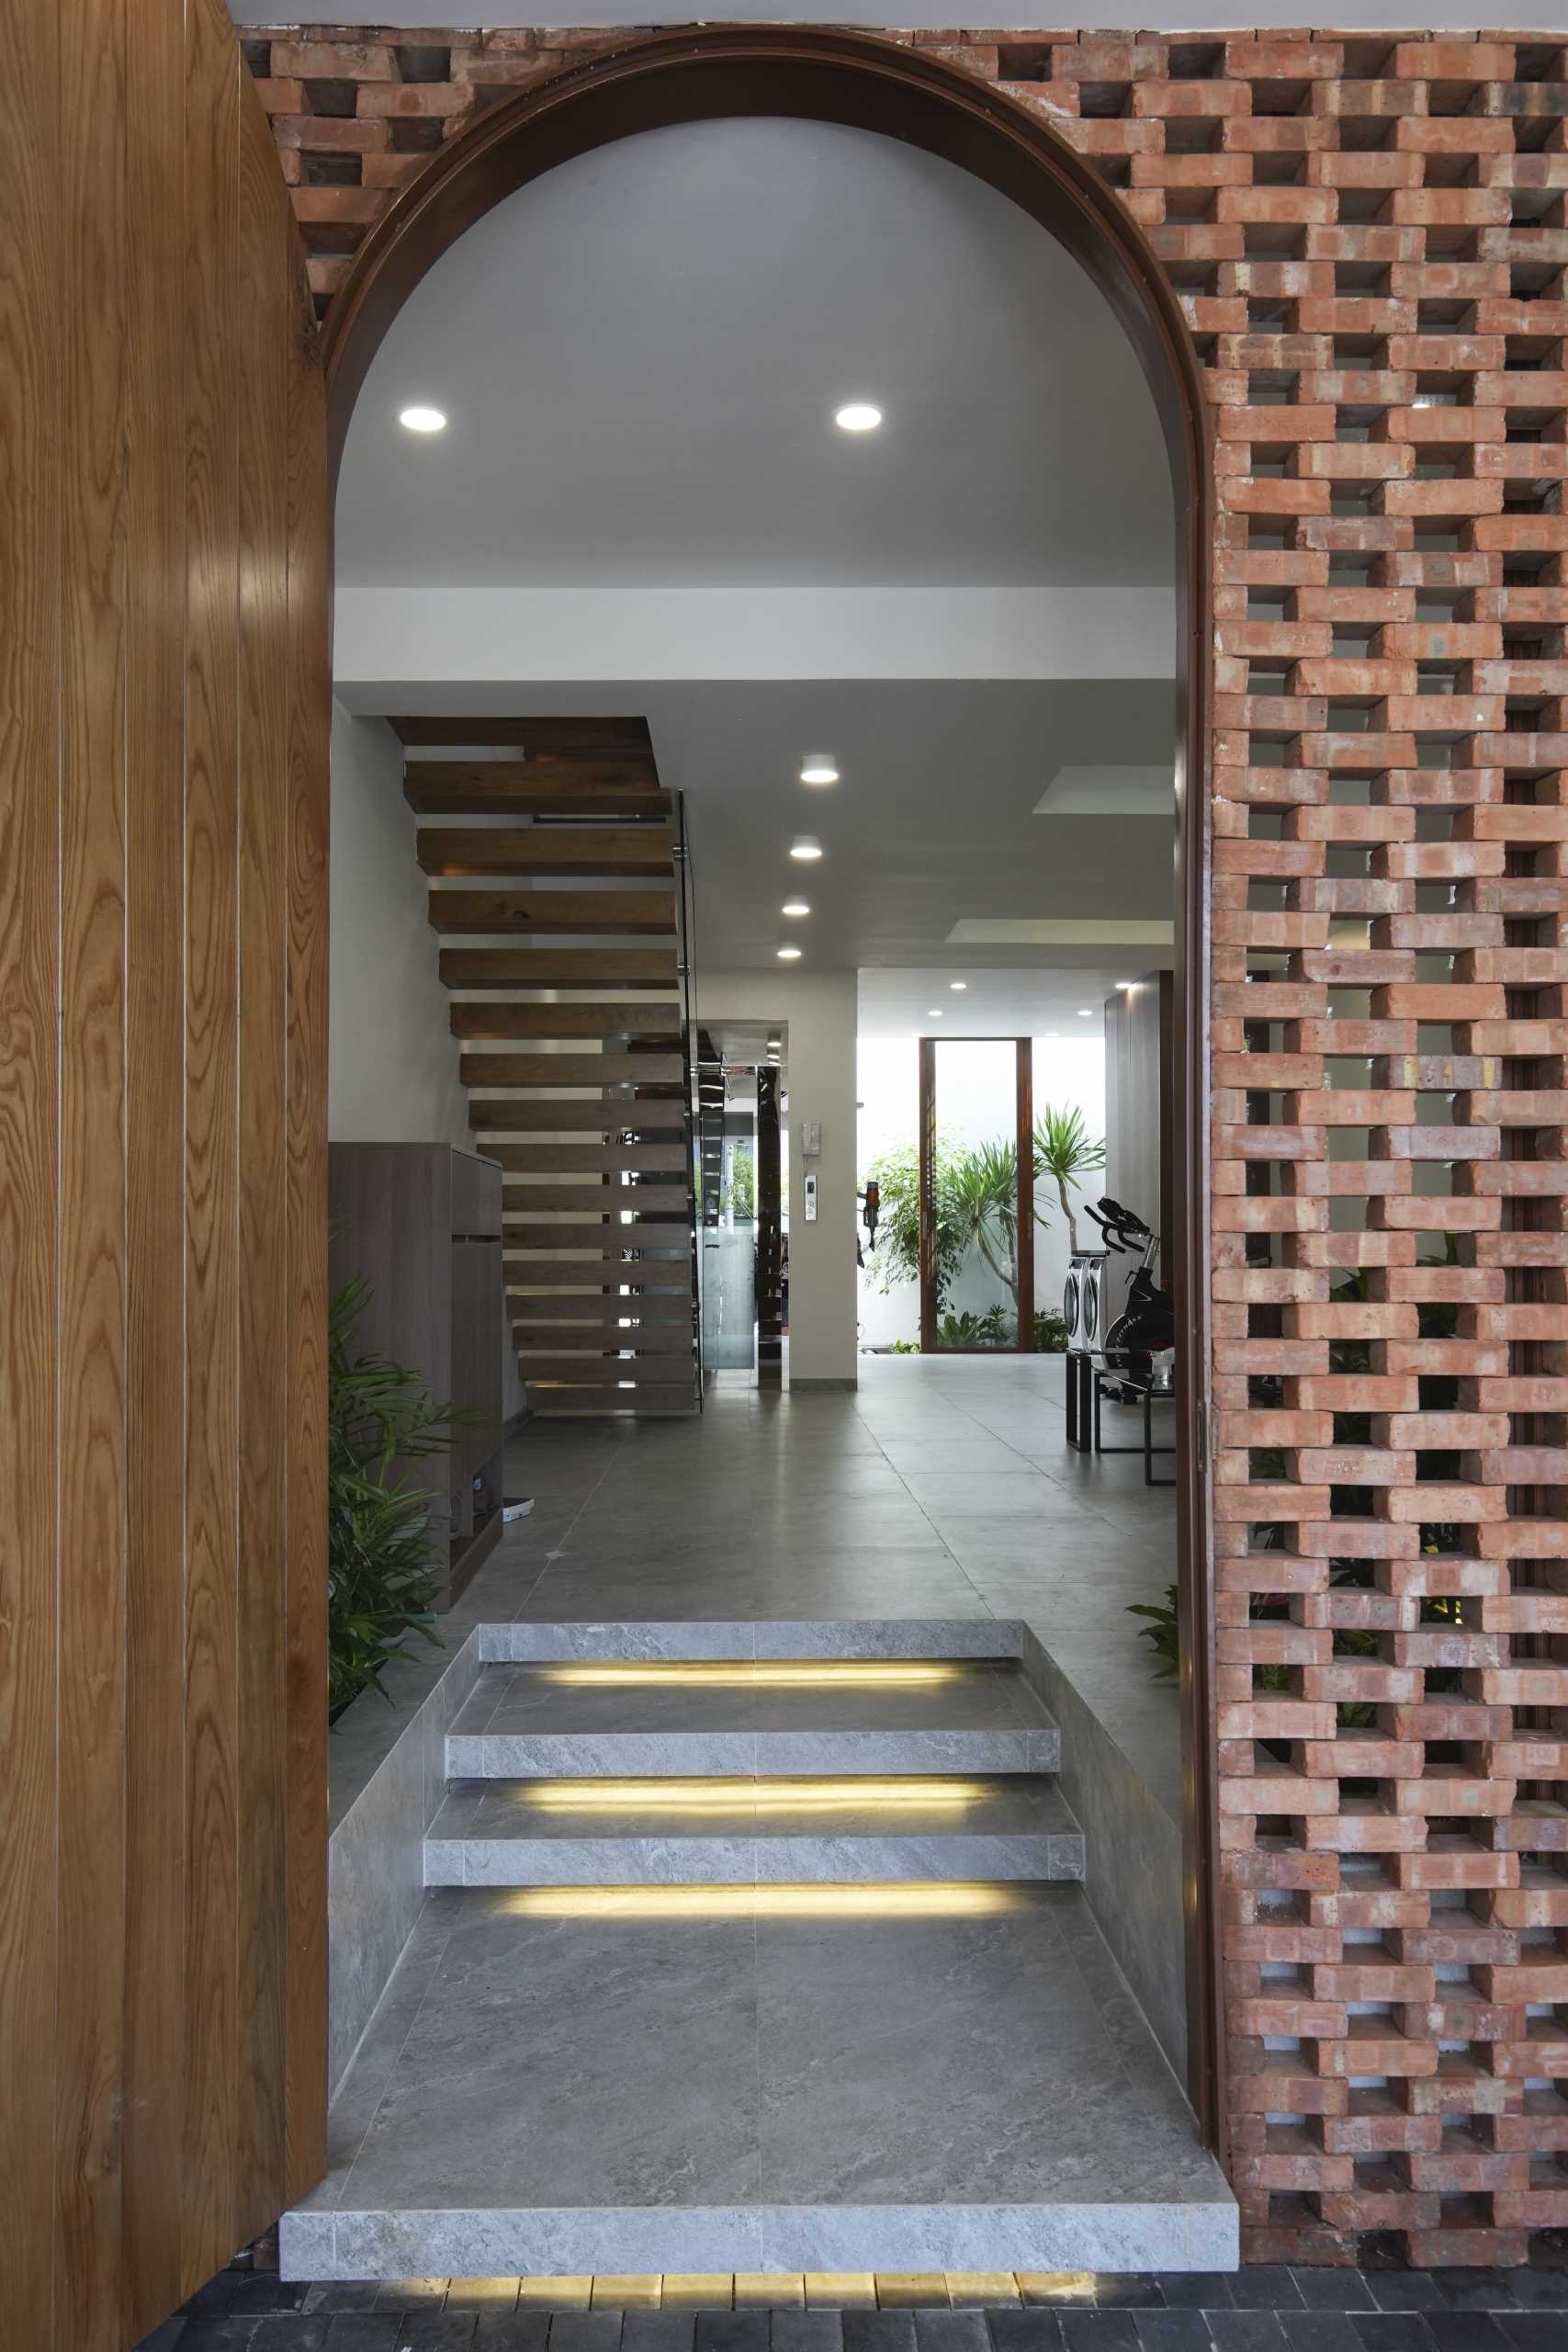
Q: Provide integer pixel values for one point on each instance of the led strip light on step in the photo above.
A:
(954, 1900)
(750, 1797)
(922, 1673)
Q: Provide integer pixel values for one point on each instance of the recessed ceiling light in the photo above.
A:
(787, 954)
(1126, 984)
(958, 984)
(1085, 1012)
(819, 768)
(795, 907)
(419, 418)
(857, 416)
(934, 1013)
(805, 845)
(1053, 1033)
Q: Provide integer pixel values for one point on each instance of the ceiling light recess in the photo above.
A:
(419, 417)
(787, 954)
(819, 767)
(795, 908)
(958, 984)
(1086, 1012)
(805, 846)
(857, 416)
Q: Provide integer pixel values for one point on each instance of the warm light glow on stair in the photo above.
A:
(954, 1900)
(742, 1795)
(923, 1672)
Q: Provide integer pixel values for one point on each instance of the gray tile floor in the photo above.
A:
(945, 1487)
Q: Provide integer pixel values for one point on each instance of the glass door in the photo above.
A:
(976, 1195)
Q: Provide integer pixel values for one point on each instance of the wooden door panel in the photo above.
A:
(162, 845)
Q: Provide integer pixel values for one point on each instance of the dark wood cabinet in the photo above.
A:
(422, 1223)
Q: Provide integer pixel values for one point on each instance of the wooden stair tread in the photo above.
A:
(671, 1200)
(628, 786)
(588, 1159)
(569, 737)
(523, 909)
(505, 1020)
(548, 966)
(652, 1067)
(643, 850)
(612, 1115)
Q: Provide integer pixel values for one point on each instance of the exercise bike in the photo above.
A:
(1138, 1351)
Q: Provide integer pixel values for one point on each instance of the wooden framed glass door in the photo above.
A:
(977, 1175)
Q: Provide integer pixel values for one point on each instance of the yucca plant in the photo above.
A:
(380, 1417)
(1065, 1151)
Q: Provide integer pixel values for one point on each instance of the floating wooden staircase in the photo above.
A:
(556, 885)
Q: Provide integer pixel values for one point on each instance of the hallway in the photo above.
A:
(942, 1488)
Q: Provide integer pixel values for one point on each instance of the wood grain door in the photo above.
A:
(164, 696)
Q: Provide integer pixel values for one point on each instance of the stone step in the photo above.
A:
(573, 1833)
(761, 2079)
(722, 1718)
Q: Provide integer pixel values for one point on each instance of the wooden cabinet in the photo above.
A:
(422, 1223)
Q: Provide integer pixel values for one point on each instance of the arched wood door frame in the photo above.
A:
(820, 74)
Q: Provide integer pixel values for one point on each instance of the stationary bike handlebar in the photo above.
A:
(1121, 1228)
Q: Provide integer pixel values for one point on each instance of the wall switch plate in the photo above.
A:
(811, 1138)
(811, 1200)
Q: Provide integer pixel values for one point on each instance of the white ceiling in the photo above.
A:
(1006, 1004)
(640, 355)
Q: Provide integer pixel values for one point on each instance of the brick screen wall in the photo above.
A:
(1369, 237)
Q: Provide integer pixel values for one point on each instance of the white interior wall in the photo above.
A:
(1068, 1072)
(392, 1061)
(816, 1012)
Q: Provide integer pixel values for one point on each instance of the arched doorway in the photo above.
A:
(873, 85)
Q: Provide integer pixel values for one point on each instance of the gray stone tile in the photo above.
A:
(732, 2331)
(878, 2331)
(662, 2332)
(1320, 2331)
(959, 2331)
(807, 2332)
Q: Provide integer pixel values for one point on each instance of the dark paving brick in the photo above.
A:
(1127, 2290)
(1532, 2330)
(363, 2332)
(1394, 2331)
(1475, 2291)
(1247, 2331)
(291, 2332)
(1199, 2290)
(213, 2300)
(518, 2332)
(1037, 2329)
(671, 2331)
(264, 2291)
(1170, 2331)
(1539, 2289)
(878, 2331)
(1406, 2290)
(950, 2332)
(411, 2294)
(217, 2335)
(1334, 2290)
(341, 2295)
(436, 2331)
(717, 2332)
(1319, 2331)
(1099, 2331)
(1266, 2287)
(803, 2332)
(601, 2331)
(1465, 2332)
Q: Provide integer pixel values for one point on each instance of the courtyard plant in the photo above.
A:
(380, 1551)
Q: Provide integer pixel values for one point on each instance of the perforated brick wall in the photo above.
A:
(1369, 237)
